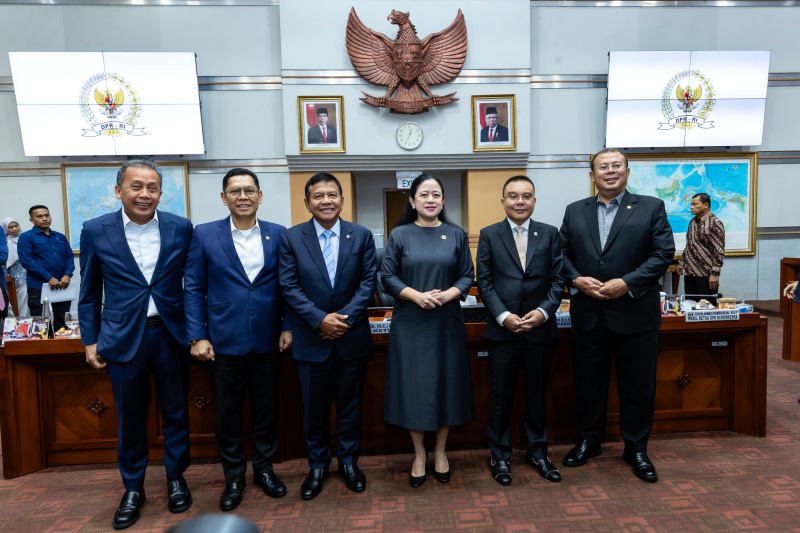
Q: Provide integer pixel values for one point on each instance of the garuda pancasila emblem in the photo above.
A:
(110, 103)
(406, 64)
(687, 97)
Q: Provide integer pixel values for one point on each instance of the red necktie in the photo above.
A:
(325, 135)
(491, 134)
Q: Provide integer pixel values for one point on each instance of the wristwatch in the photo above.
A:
(192, 343)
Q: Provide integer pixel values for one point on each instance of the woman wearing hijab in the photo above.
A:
(13, 267)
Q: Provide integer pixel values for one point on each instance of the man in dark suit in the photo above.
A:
(322, 133)
(235, 319)
(132, 323)
(617, 245)
(327, 275)
(493, 132)
(520, 280)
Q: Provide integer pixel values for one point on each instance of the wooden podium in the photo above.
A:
(790, 269)
(56, 410)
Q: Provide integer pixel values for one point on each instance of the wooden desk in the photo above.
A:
(56, 410)
(790, 267)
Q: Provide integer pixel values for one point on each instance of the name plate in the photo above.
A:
(711, 315)
(376, 328)
(564, 321)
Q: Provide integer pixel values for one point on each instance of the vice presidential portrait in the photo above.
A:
(493, 132)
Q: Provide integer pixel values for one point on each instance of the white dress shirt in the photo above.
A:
(249, 248)
(144, 242)
(527, 224)
(337, 231)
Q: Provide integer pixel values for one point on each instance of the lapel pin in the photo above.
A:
(629, 207)
(535, 234)
(347, 237)
(267, 237)
(444, 237)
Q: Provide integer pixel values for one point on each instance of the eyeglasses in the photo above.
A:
(615, 166)
(235, 192)
(514, 197)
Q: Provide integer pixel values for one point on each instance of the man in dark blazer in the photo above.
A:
(520, 280)
(327, 275)
(132, 323)
(493, 132)
(236, 319)
(322, 133)
(617, 245)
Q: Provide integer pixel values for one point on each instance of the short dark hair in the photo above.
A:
(518, 178)
(704, 198)
(322, 177)
(239, 172)
(409, 214)
(139, 163)
(607, 151)
(34, 208)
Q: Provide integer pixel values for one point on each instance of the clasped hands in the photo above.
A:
(613, 288)
(434, 298)
(56, 284)
(532, 319)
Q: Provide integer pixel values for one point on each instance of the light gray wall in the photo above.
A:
(259, 125)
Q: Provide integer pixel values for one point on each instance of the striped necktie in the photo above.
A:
(327, 254)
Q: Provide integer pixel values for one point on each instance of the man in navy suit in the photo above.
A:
(235, 319)
(520, 279)
(493, 132)
(617, 245)
(327, 275)
(132, 323)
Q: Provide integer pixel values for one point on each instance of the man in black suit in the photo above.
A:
(322, 133)
(493, 132)
(520, 280)
(616, 247)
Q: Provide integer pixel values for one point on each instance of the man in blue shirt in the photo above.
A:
(3, 257)
(47, 258)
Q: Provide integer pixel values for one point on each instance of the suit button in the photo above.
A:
(144, 312)
(602, 261)
(333, 298)
(252, 313)
(252, 288)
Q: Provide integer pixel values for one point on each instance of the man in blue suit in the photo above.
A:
(132, 323)
(327, 275)
(236, 319)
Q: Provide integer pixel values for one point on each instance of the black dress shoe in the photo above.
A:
(580, 454)
(128, 511)
(312, 485)
(642, 466)
(417, 481)
(442, 477)
(353, 477)
(231, 496)
(270, 482)
(180, 498)
(501, 472)
(545, 467)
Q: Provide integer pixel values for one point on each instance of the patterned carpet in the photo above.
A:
(716, 481)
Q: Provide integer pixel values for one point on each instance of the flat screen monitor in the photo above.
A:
(686, 98)
(107, 103)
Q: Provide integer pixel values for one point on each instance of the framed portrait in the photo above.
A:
(494, 123)
(89, 192)
(730, 179)
(320, 122)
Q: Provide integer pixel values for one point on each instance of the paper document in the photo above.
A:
(61, 295)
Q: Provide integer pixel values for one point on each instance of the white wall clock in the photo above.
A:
(409, 135)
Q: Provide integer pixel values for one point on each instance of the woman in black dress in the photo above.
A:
(427, 267)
